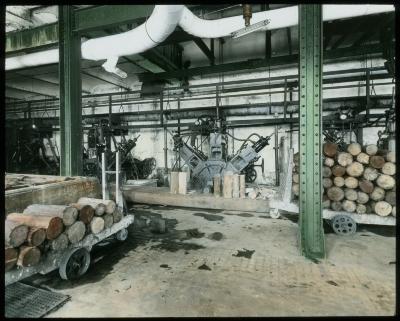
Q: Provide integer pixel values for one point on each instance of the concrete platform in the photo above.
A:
(46, 189)
(162, 196)
(234, 264)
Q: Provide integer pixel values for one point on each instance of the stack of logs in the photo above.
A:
(43, 228)
(359, 179)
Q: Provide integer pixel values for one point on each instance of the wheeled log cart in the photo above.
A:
(342, 223)
(75, 260)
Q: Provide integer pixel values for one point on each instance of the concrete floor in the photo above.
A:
(234, 264)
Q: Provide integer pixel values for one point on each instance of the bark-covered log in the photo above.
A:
(385, 181)
(76, 232)
(355, 169)
(338, 170)
(351, 182)
(354, 149)
(296, 189)
(15, 233)
(68, 214)
(350, 194)
(378, 194)
(94, 202)
(108, 220)
(326, 171)
(86, 212)
(363, 158)
(329, 161)
(336, 206)
(52, 224)
(28, 256)
(344, 159)
(338, 181)
(36, 236)
(117, 215)
(389, 168)
(349, 206)
(330, 149)
(383, 208)
(394, 211)
(327, 182)
(391, 157)
(296, 158)
(362, 198)
(96, 225)
(11, 258)
(390, 197)
(361, 209)
(370, 173)
(376, 161)
(326, 202)
(366, 186)
(371, 149)
(335, 193)
(60, 243)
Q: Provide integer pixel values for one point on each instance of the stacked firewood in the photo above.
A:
(360, 179)
(43, 228)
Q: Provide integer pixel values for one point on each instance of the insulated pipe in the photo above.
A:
(279, 18)
(164, 20)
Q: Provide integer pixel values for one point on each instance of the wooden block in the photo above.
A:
(235, 186)
(217, 185)
(174, 182)
(242, 187)
(182, 183)
(228, 185)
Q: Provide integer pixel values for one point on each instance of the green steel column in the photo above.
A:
(70, 94)
(311, 234)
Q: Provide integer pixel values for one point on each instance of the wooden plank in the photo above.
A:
(162, 196)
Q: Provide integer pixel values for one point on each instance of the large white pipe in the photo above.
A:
(279, 18)
(164, 20)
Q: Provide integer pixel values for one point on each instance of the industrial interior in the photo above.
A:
(200, 160)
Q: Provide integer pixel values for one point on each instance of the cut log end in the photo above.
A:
(28, 256)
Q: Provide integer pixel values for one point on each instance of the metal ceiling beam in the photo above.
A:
(260, 63)
(104, 80)
(30, 91)
(356, 27)
(204, 48)
(108, 16)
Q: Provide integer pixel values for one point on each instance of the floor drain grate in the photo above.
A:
(25, 301)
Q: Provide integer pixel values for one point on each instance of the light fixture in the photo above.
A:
(249, 29)
(33, 126)
(342, 116)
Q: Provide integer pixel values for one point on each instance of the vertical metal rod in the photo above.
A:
(276, 156)
(285, 100)
(367, 94)
(103, 175)
(109, 110)
(165, 150)
(179, 131)
(117, 172)
(233, 141)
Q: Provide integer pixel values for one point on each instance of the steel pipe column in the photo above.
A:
(70, 94)
(311, 236)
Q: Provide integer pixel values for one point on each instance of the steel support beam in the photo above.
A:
(311, 236)
(204, 48)
(70, 94)
(109, 16)
(260, 63)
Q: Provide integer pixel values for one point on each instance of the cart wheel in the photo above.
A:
(274, 213)
(122, 235)
(74, 264)
(344, 225)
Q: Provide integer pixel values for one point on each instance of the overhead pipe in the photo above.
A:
(163, 21)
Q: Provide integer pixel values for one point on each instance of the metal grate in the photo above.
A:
(25, 301)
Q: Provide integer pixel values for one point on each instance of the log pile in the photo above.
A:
(360, 179)
(30, 235)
